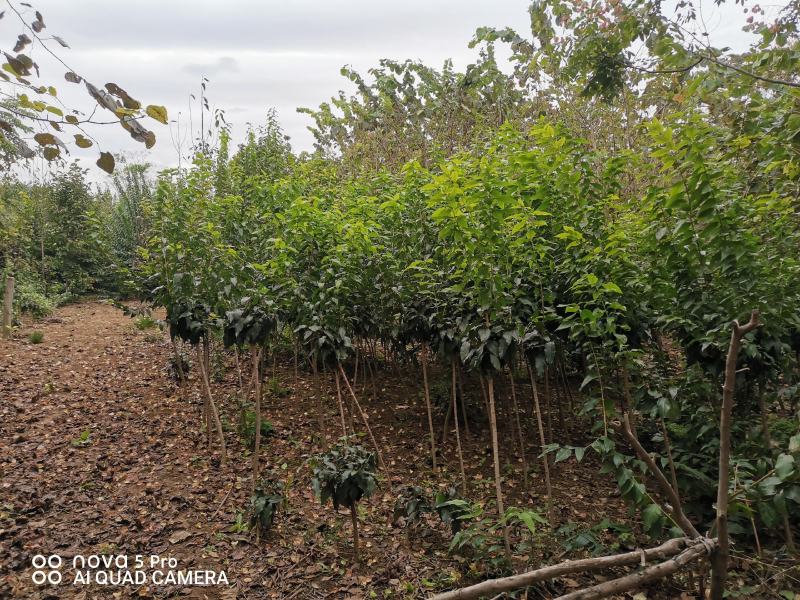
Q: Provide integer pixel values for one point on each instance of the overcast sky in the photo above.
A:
(257, 54)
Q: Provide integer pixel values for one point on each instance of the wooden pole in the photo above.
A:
(719, 559)
(8, 305)
(496, 456)
(424, 362)
(455, 420)
(492, 587)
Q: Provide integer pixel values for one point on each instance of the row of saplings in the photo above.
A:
(346, 474)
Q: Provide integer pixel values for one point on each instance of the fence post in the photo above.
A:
(8, 303)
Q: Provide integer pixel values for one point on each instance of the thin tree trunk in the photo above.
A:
(238, 368)
(319, 405)
(515, 406)
(179, 367)
(445, 427)
(498, 488)
(463, 398)
(213, 406)
(424, 363)
(668, 447)
(564, 380)
(257, 408)
(296, 352)
(762, 407)
(545, 459)
(341, 404)
(719, 559)
(355, 368)
(548, 405)
(787, 531)
(363, 416)
(8, 306)
(455, 420)
(354, 518)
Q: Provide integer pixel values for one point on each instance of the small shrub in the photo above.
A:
(145, 322)
(479, 537)
(264, 504)
(29, 297)
(247, 429)
(411, 504)
(453, 510)
(276, 389)
(345, 475)
(173, 366)
(36, 337)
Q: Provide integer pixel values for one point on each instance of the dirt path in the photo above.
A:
(99, 455)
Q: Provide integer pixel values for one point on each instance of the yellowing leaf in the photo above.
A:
(106, 162)
(45, 139)
(82, 142)
(159, 113)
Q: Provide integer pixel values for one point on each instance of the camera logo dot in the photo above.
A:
(53, 565)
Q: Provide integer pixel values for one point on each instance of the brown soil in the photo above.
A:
(144, 481)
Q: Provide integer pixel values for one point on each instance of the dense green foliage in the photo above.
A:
(61, 239)
(503, 229)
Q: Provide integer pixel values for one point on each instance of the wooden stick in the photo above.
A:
(424, 362)
(677, 509)
(504, 584)
(719, 561)
(363, 416)
(8, 306)
(637, 580)
(454, 394)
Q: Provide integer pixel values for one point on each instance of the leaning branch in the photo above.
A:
(634, 581)
(492, 587)
(719, 561)
(672, 494)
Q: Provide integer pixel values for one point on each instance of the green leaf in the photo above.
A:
(651, 516)
(587, 380)
(784, 466)
(563, 454)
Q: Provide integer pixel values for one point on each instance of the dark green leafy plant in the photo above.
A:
(411, 504)
(264, 504)
(247, 428)
(454, 510)
(344, 475)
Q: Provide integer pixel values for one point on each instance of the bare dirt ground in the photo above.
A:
(100, 455)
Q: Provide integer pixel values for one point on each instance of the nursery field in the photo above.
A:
(523, 326)
(103, 456)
